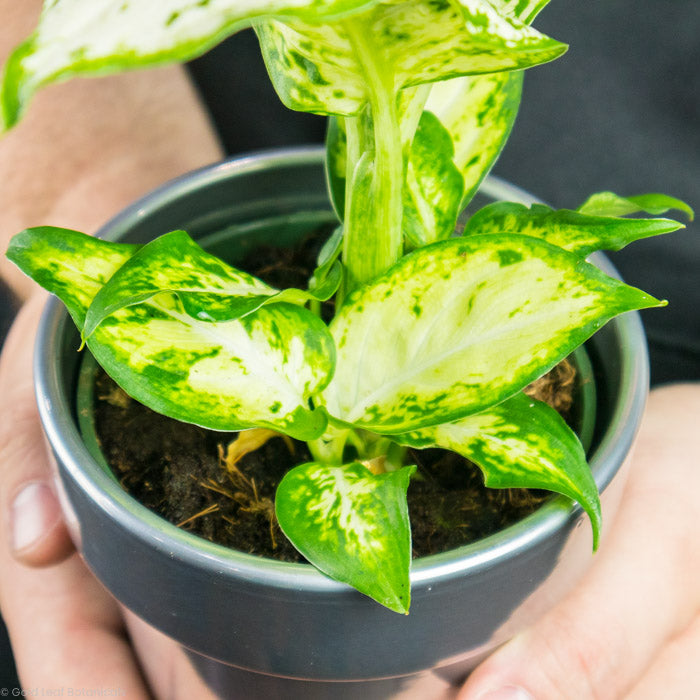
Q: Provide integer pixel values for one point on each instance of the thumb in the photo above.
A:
(599, 641)
(32, 516)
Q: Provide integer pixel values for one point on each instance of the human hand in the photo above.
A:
(631, 629)
(66, 630)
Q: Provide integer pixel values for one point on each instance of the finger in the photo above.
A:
(66, 631)
(170, 673)
(35, 528)
(642, 589)
(674, 672)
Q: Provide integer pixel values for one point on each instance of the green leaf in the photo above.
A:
(434, 186)
(461, 325)
(520, 443)
(321, 68)
(56, 258)
(525, 10)
(352, 525)
(257, 371)
(478, 112)
(572, 230)
(610, 204)
(208, 289)
(336, 164)
(75, 37)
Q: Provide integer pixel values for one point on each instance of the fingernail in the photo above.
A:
(509, 692)
(34, 512)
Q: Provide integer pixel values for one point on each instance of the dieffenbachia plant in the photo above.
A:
(435, 336)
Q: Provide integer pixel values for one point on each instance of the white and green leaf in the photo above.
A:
(478, 112)
(68, 263)
(257, 371)
(207, 288)
(520, 443)
(75, 37)
(461, 325)
(580, 233)
(352, 525)
(459, 136)
(611, 204)
(328, 68)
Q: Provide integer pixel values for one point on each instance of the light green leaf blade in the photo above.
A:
(520, 443)
(571, 230)
(434, 186)
(460, 134)
(611, 204)
(68, 263)
(461, 325)
(352, 525)
(207, 288)
(478, 112)
(75, 37)
(525, 10)
(258, 371)
(327, 68)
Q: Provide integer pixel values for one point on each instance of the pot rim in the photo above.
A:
(518, 539)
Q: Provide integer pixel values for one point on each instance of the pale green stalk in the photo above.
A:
(373, 215)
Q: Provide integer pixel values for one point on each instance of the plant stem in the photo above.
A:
(373, 238)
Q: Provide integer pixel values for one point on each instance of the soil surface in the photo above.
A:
(178, 470)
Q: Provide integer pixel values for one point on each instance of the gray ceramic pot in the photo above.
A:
(256, 628)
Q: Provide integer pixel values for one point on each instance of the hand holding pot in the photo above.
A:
(632, 627)
(66, 630)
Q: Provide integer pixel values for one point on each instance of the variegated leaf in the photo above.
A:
(90, 37)
(478, 112)
(460, 135)
(352, 525)
(520, 443)
(333, 68)
(461, 325)
(207, 288)
(434, 186)
(524, 10)
(258, 371)
(55, 258)
(611, 204)
(579, 233)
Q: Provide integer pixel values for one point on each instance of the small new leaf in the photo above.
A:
(611, 204)
(352, 525)
(520, 443)
(579, 233)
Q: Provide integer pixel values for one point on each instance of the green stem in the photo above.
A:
(373, 238)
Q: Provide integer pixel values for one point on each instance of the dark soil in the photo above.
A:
(178, 470)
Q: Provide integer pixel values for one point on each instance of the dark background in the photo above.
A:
(620, 111)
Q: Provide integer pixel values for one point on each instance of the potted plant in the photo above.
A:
(433, 339)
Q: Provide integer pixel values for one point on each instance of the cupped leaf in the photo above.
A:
(434, 186)
(352, 525)
(75, 37)
(208, 288)
(478, 112)
(328, 69)
(461, 325)
(520, 443)
(258, 371)
(611, 204)
(571, 230)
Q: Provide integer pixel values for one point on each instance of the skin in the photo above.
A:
(85, 150)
